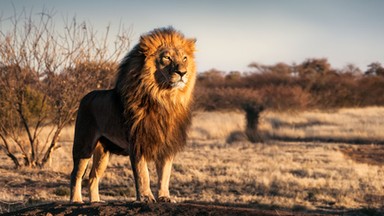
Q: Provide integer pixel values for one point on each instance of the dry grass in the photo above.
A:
(294, 175)
(365, 125)
(291, 175)
(344, 125)
(215, 125)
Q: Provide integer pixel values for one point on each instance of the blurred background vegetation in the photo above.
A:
(312, 84)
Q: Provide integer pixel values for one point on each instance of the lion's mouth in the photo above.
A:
(178, 85)
(178, 81)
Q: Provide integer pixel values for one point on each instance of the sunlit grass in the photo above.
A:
(283, 174)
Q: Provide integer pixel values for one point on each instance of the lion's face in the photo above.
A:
(172, 69)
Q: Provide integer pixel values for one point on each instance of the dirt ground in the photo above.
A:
(123, 208)
(184, 209)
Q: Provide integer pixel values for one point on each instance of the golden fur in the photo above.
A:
(157, 114)
(145, 116)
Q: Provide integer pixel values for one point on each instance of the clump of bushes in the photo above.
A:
(311, 84)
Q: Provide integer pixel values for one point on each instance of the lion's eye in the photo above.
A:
(185, 58)
(166, 58)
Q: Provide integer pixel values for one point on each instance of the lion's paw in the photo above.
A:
(76, 201)
(165, 199)
(146, 199)
(98, 201)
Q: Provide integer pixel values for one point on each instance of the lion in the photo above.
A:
(145, 116)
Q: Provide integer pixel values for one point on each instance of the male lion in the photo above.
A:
(145, 116)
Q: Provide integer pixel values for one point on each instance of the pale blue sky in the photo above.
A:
(232, 34)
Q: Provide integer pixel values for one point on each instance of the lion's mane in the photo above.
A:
(157, 117)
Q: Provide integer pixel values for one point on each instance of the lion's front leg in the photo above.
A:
(164, 168)
(142, 182)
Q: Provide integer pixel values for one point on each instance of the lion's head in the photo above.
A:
(169, 58)
(155, 82)
(162, 63)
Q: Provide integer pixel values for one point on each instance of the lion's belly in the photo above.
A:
(115, 132)
(107, 112)
(115, 146)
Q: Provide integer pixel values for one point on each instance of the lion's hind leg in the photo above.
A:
(100, 162)
(79, 167)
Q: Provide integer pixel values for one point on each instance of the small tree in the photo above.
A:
(43, 75)
(314, 67)
(252, 116)
(375, 68)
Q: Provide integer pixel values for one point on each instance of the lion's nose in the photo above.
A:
(181, 73)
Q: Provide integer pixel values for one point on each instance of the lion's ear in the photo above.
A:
(191, 44)
(144, 44)
(192, 40)
(148, 44)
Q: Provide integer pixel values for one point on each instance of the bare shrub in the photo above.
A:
(43, 76)
(225, 98)
(284, 97)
